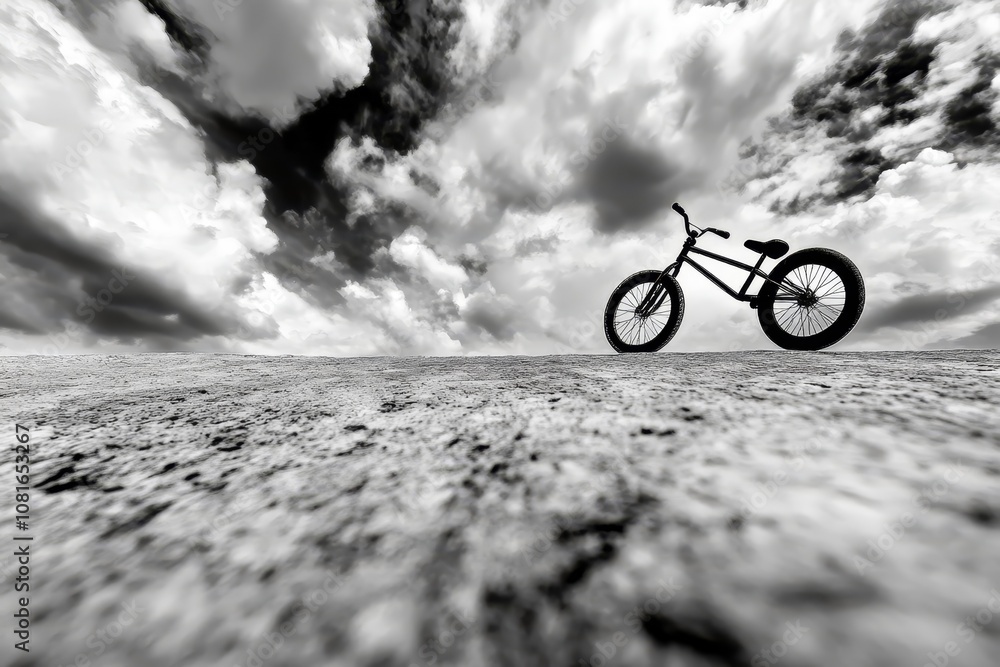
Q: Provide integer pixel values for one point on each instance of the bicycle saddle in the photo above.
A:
(775, 248)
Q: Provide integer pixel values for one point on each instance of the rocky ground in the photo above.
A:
(802, 509)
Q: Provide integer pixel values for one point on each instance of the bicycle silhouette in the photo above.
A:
(809, 301)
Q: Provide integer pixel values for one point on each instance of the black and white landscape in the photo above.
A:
(303, 350)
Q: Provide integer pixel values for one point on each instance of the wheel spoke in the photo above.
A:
(829, 311)
(819, 321)
(824, 316)
(640, 330)
(819, 276)
(834, 291)
(828, 280)
(634, 326)
(788, 318)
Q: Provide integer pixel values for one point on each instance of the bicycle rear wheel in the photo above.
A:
(626, 330)
(820, 301)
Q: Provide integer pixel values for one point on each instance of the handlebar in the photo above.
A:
(687, 225)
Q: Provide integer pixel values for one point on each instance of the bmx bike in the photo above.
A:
(809, 301)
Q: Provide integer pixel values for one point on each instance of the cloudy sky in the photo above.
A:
(357, 177)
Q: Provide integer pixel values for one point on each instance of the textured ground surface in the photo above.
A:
(670, 509)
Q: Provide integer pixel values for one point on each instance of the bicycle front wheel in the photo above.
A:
(820, 299)
(626, 330)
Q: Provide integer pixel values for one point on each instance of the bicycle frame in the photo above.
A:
(690, 247)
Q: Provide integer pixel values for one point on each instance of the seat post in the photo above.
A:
(753, 274)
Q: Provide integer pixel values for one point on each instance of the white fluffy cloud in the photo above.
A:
(597, 119)
(926, 237)
(537, 189)
(410, 251)
(117, 168)
(930, 229)
(269, 57)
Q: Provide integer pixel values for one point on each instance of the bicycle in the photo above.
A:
(809, 301)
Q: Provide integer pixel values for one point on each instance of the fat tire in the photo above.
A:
(676, 296)
(854, 300)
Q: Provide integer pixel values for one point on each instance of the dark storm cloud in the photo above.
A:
(629, 184)
(742, 4)
(185, 33)
(191, 37)
(986, 338)
(61, 278)
(498, 318)
(969, 115)
(936, 306)
(407, 84)
(473, 265)
(536, 245)
(861, 171)
(880, 66)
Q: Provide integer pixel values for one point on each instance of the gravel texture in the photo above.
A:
(687, 510)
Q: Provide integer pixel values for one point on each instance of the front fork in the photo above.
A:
(658, 294)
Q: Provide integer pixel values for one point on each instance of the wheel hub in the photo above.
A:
(808, 300)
